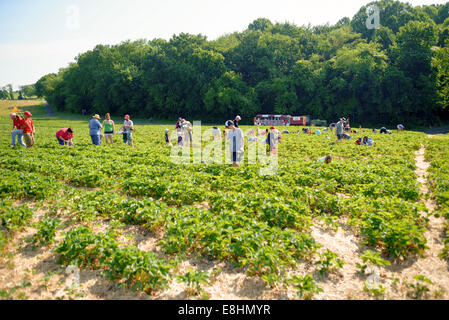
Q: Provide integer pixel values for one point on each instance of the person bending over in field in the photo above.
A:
(109, 129)
(216, 133)
(94, 130)
(368, 141)
(17, 123)
(28, 130)
(65, 136)
(236, 145)
(326, 159)
(358, 141)
(128, 128)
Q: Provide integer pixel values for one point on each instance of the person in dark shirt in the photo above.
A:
(236, 121)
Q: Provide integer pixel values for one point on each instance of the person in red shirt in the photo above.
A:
(18, 122)
(28, 130)
(65, 136)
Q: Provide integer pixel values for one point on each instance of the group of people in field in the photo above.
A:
(234, 134)
(108, 125)
(22, 130)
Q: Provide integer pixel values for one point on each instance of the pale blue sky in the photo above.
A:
(40, 36)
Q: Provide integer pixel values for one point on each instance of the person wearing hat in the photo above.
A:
(17, 123)
(128, 128)
(236, 145)
(95, 129)
(339, 129)
(273, 139)
(178, 128)
(28, 129)
(236, 121)
(187, 130)
(167, 138)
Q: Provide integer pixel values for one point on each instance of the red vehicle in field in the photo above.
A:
(281, 120)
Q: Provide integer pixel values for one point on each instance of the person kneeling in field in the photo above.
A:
(65, 136)
(368, 141)
(236, 144)
(28, 129)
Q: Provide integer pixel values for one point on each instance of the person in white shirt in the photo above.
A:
(187, 130)
(216, 133)
(128, 128)
(236, 145)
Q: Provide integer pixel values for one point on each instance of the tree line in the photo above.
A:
(25, 92)
(397, 73)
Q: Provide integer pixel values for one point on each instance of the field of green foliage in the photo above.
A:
(259, 224)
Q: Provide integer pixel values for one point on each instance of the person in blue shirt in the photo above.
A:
(95, 129)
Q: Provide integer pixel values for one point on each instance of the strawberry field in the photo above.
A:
(312, 230)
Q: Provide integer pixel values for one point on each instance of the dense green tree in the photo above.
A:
(395, 73)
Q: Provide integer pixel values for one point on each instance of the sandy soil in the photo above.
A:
(33, 273)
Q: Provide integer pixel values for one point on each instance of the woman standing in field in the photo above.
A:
(109, 129)
(94, 129)
(28, 129)
(236, 145)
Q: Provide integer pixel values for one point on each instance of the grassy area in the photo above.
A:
(34, 106)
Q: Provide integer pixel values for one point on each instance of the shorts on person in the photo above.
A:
(29, 139)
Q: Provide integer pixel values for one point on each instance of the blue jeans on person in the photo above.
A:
(96, 139)
(19, 134)
(61, 142)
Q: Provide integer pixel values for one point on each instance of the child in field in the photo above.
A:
(359, 141)
(167, 138)
(28, 129)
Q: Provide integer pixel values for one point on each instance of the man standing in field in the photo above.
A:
(128, 128)
(94, 129)
(339, 130)
(18, 122)
(236, 146)
(28, 130)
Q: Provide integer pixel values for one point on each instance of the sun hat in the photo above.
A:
(96, 117)
(27, 113)
(229, 123)
(12, 115)
(238, 118)
(166, 130)
(272, 128)
(127, 117)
